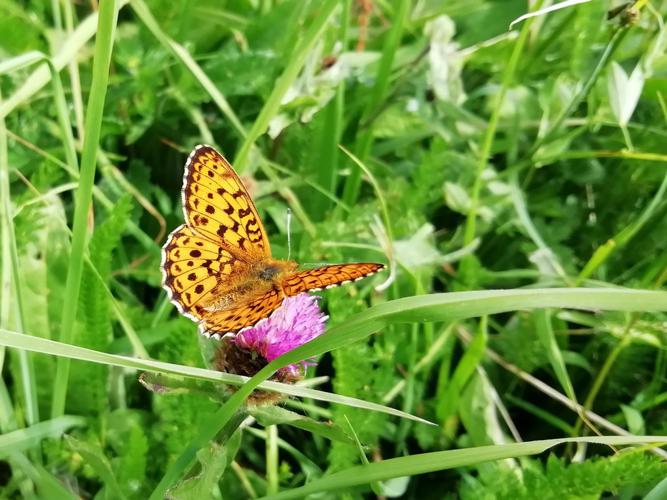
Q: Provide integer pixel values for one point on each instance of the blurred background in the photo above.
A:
(424, 134)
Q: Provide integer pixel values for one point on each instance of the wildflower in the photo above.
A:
(297, 321)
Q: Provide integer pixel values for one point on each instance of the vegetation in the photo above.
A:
(512, 179)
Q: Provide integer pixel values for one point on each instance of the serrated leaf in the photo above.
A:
(93, 456)
(213, 461)
(273, 415)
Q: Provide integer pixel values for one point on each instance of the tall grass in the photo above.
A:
(93, 123)
(520, 212)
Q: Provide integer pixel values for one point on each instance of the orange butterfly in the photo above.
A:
(217, 267)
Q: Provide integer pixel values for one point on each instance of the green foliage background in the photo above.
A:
(474, 157)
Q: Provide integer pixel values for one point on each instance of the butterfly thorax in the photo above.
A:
(255, 280)
(273, 271)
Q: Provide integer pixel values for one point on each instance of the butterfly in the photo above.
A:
(217, 268)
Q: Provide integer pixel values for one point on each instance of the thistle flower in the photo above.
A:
(297, 321)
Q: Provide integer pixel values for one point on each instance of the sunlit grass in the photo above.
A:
(522, 218)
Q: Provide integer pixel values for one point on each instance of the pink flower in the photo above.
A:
(294, 323)
(297, 321)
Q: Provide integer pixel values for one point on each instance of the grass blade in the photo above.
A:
(50, 347)
(436, 307)
(11, 293)
(22, 439)
(296, 62)
(442, 460)
(108, 15)
(68, 51)
(365, 141)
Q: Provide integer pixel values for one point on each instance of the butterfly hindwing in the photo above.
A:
(217, 205)
(327, 277)
(245, 315)
(192, 267)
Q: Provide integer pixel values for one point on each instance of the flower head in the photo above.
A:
(297, 321)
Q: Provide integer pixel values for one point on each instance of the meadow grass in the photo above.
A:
(513, 182)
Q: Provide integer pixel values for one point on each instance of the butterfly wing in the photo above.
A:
(327, 277)
(193, 268)
(206, 262)
(217, 205)
(252, 310)
(246, 315)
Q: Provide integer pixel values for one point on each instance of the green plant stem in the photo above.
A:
(364, 142)
(227, 418)
(59, 100)
(621, 239)
(540, 413)
(145, 15)
(332, 129)
(108, 15)
(602, 374)
(272, 476)
(57, 18)
(74, 78)
(296, 62)
(490, 133)
(611, 47)
(12, 280)
(384, 208)
(627, 138)
(604, 371)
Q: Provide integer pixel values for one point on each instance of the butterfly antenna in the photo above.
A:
(289, 233)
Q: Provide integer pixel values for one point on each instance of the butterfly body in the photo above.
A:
(250, 282)
(217, 268)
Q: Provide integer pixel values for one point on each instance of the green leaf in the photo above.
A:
(275, 415)
(634, 419)
(624, 91)
(548, 339)
(213, 462)
(94, 456)
(658, 492)
(23, 439)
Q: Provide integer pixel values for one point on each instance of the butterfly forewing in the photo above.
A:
(327, 277)
(192, 268)
(217, 205)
